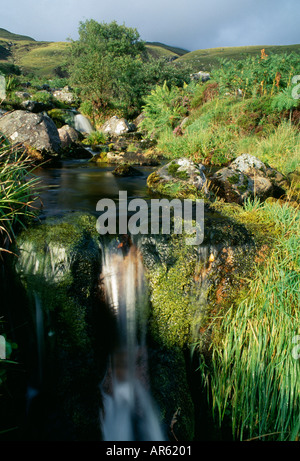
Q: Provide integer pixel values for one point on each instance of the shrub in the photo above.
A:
(17, 192)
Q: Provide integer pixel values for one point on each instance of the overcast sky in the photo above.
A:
(190, 24)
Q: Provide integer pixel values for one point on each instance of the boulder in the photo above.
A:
(64, 95)
(22, 95)
(68, 136)
(116, 126)
(248, 177)
(181, 177)
(34, 130)
(126, 171)
(34, 106)
(132, 158)
(201, 76)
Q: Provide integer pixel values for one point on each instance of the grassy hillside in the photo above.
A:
(6, 35)
(42, 58)
(207, 58)
(173, 49)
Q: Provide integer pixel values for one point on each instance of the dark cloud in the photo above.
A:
(192, 24)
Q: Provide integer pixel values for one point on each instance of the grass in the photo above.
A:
(6, 35)
(253, 377)
(16, 192)
(44, 58)
(206, 59)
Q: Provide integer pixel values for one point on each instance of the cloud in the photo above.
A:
(192, 24)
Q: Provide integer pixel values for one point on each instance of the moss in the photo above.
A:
(242, 189)
(171, 391)
(58, 116)
(58, 260)
(173, 189)
(234, 179)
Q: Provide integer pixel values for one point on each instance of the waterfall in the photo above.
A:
(129, 413)
(82, 124)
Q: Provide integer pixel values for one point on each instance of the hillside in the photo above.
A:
(174, 50)
(207, 58)
(44, 59)
(6, 35)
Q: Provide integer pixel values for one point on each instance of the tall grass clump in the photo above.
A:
(17, 192)
(253, 375)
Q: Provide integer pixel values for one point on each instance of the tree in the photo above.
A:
(98, 58)
(110, 66)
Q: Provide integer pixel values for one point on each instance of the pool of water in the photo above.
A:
(78, 185)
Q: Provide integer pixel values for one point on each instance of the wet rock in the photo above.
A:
(126, 170)
(35, 130)
(132, 158)
(59, 262)
(248, 177)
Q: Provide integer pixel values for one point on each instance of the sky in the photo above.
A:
(189, 24)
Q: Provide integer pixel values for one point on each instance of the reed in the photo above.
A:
(17, 192)
(253, 375)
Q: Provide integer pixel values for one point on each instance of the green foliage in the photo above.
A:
(43, 97)
(12, 83)
(112, 70)
(257, 75)
(163, 109)
(95, 138)
(97, 59)
(17, 192)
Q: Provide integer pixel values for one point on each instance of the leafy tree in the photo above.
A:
(111, 68)
(98, 56)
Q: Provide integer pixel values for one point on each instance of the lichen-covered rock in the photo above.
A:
(34, 130)
(116, 126)
(64, 95)
(248, 177)
(180, 178)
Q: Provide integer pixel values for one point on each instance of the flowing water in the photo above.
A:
(82, 124)
(129, 413)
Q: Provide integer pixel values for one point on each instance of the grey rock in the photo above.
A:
(35, 130)
(193, 172)
(116, 126)
(68, 136)
(64, 95)
(248, 177)
(34, 106)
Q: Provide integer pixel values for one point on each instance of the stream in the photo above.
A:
(81, 313)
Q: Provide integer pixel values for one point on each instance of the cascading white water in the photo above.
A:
(82, 124)
(129, 413)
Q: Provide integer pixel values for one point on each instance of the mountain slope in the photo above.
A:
(207, 58)
(6, 35)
